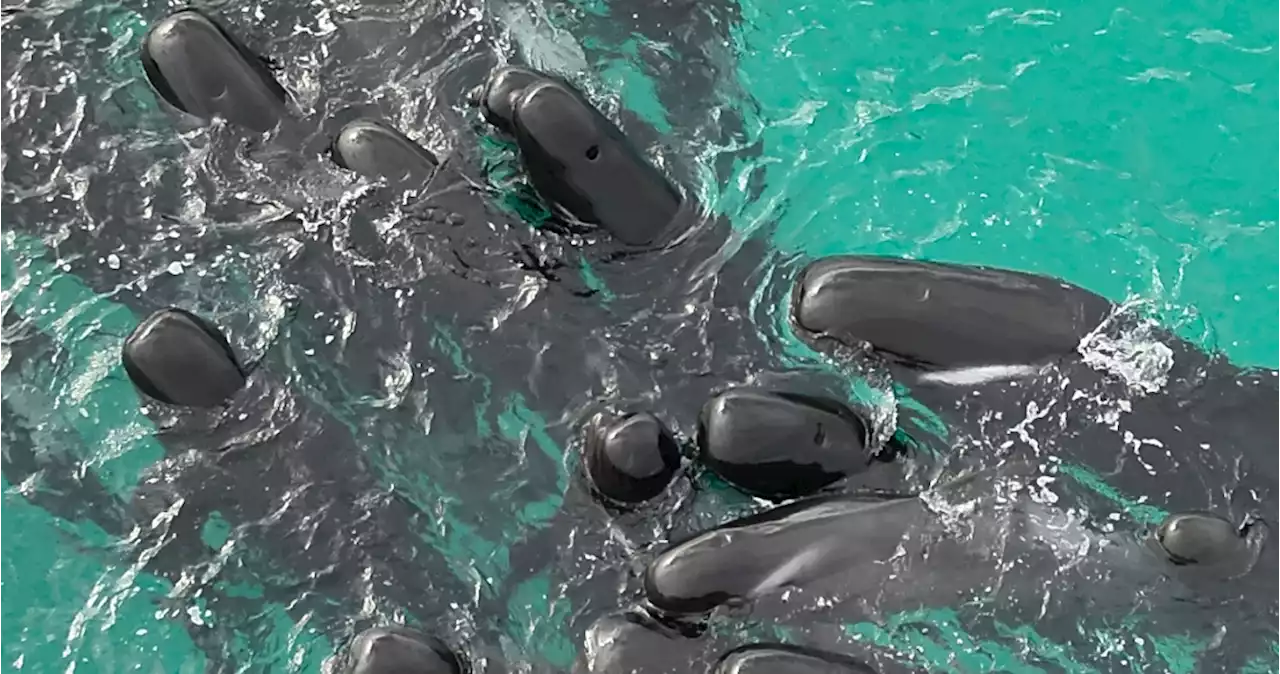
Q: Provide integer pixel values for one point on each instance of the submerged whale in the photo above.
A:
(1016, 365)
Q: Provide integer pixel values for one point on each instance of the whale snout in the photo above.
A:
(397, 650)
(198, 67)
(497, 97)
(375, 150)
(583, 165)
(179, 358)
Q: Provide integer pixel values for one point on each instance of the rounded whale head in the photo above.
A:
(397, 650)
(632, 459)
(787, 659)
(581, 163)
(781, 445)
(376, 150)
(198, 67)
(505, 85)
(632, 641)
(179, 358)
(1202, 539)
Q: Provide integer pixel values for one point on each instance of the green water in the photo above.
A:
(1129, 149)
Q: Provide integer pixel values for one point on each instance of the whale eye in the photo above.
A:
(593, 152)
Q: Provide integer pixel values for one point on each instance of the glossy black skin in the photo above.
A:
(654, 288)
(580, 162)
(473, 275)
(200, 68)
(633, 642)
(177, 358)
(397, 650)
(934, 316)
(788, 659)
(630, 459)
(375, 150)
(687, 48)
(782, 445)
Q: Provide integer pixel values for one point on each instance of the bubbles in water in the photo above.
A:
(1130, 352)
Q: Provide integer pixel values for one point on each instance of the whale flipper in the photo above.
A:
(200, 68)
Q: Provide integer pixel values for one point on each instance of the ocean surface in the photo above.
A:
(1131, 149)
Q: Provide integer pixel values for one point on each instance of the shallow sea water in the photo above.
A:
(1130, 149)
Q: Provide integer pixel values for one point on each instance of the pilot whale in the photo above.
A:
(1003, 358)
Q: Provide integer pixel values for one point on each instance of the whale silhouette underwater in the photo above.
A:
(846, 516)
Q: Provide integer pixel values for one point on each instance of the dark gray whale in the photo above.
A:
(999, 356)
(985, 543)
(395, 650)
(200, 68)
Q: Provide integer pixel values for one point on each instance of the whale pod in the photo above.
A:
(788, 659)
(582, 164)
(935, 316)
(373, 149)
(397, 650)
(631, 459)
(779, 444)
(178, 358)
(200, 68)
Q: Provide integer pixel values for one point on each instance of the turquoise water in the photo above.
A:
(1129, 149)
